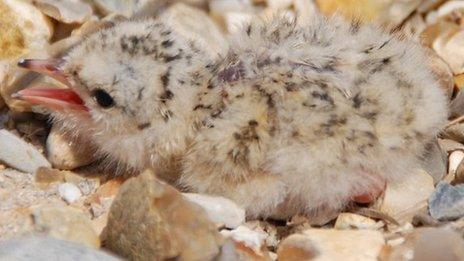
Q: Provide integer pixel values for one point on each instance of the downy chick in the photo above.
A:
(294, 120)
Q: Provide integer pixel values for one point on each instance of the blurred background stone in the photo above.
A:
(48, 248)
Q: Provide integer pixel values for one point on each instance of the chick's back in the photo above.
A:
(312, 115)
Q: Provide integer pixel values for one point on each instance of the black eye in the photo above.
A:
(103, 98)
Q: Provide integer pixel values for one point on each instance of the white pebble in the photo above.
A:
(251, 238)
(220, 210)
(69, 192)
(20, 155)
(455, 159)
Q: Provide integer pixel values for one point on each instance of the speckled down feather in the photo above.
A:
(295, 119)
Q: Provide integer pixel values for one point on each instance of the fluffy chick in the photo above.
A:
(294, 120)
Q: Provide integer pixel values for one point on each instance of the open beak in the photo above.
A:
(55, 99)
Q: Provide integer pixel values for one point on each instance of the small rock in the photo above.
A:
(130, 8)
(450, 48)
(404, 199)
(108, 189)
(49, 248)
(459, 175)
(99, 209)
(427, 244)
(220, 210)
(388, 12)
(44, 175)
(69, 192)
(449, 146)
(87, 185)
(272, 233)
(66, 152)
(447, 202)
(354, 221)
(65, 11)
(232, 250)
(455, 159)
(459, 81)
(331, 244)
(65, 223)
(25, 33)
(24, 28)
(230, 14)
(455, 132)
(297, 247)
(20, 155)
(250, 238)
(150, 220)
(194, 23)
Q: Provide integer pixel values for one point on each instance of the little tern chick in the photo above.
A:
(294, 120)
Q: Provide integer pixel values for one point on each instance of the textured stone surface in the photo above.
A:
(65, 11)
(297, 247)
(48, 248)
(20, 155)
(150, 220)
(345, 244)
(220, 210)
(403, 199)
(447, 202)
(354, 221)
(427, 244)
(65, 223)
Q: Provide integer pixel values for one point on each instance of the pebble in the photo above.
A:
(150, 220)
(46, 176)
(449, 46)
(65, 11)
(20, 155)
(69, 192)
(297, 247)
(455, 160)
(388, 12)
(455, 132)
(404, 199)
(233, 250)
(24, 28)
(129, 8)
(332, 244)
(25, 32)
(66, 152)
(49, 248)
(449, 146)
(250, 238)
(197, 24)
(427, 244)
(219, 210)
(66, 223)
(447, 202)
(355, 221)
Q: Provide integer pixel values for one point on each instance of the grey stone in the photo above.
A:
(447, 202)
(20, 155)
(49, 249)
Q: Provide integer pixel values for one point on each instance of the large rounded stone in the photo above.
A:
(150, 220)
